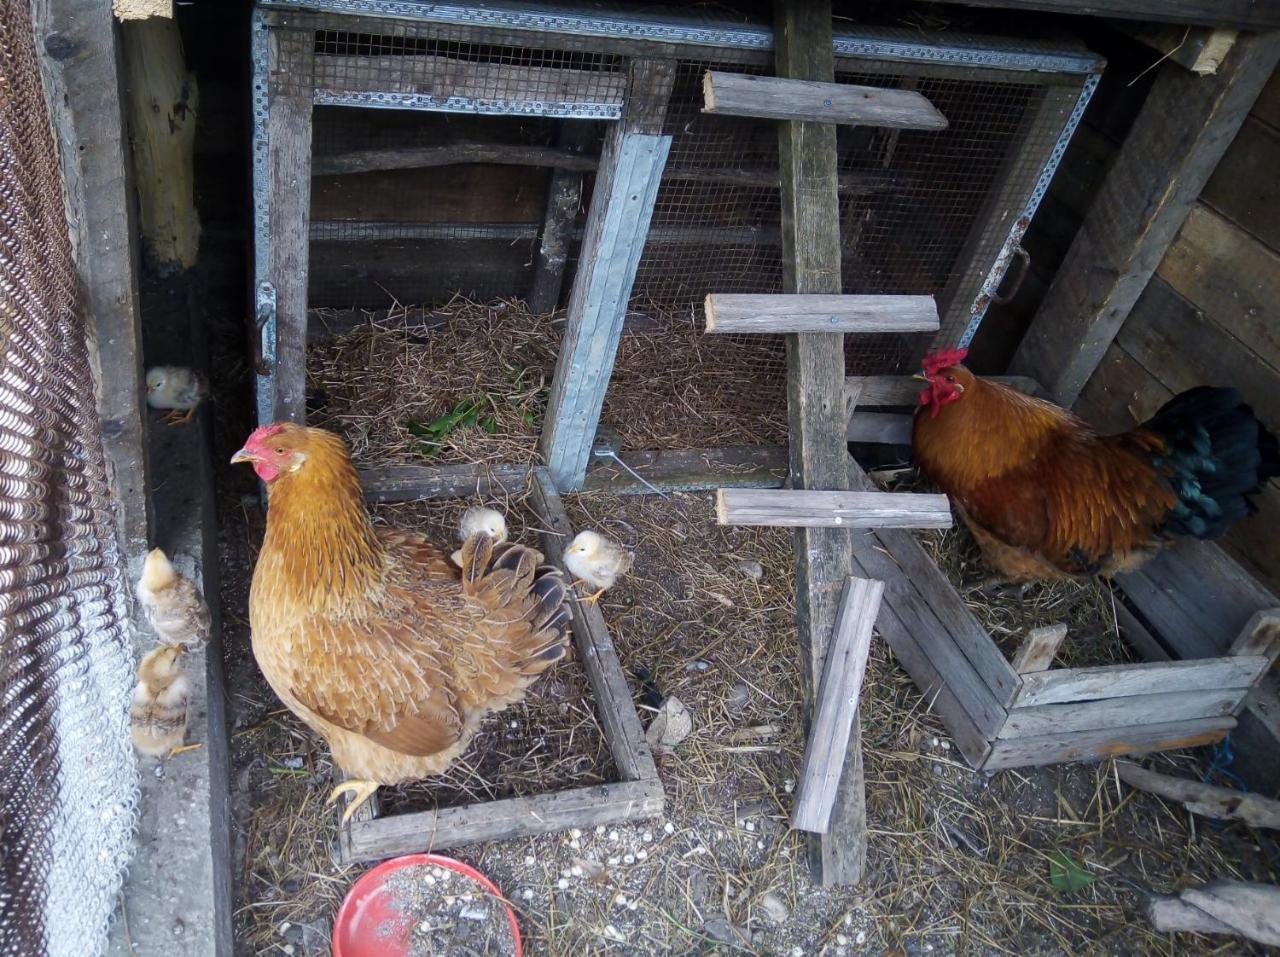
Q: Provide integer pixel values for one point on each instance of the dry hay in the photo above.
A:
(399, 372)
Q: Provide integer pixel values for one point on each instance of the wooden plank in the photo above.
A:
(811, 255)
(689, 470)
(616, 233)
(449, 78)
(1138, 635)
(1243, 187)
(1198, 49)
(1230, 276)
(880, 428)
(449, 195)
(792, 508)
(284, 260)
(1169, 914)
(1125, 712)
(1068, 685)
(1187, 123)
(818, 313)
(1242, 14)
(1038, 649)
(890, 391)
(1224, 804)
(617, 712)
(843, 669)
(1121, 393)
(419, 483)
(778, 98)
(1259, 636)
(455, 154)
(564, 195)
(1267, 107)
(1095, 745)
(499, 820)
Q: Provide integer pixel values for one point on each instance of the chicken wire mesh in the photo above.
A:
(68, 782)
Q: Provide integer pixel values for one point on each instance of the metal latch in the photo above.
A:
(264, 317)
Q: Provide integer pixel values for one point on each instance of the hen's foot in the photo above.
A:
(182, 749)
(179, 418)
(360, 791)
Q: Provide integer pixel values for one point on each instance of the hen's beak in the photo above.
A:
(922, 378)
(244, 455)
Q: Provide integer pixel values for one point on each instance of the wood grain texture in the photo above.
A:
(811, 260)
(843, 670)
(889, 391)
(1244, 14)
(1121, 393)
(728, 313)
(564, 196)
(691, 469)
(1067, 685)
(1259, 636)
(1198, 49)
(1038, 648)
(793, 508)
(1243, 188)
(453, 154)
(1121, 712)
(1095, 745)
(1207, 800)
(879, 428)
(777, 98)
(1187, 123)
(1169, 914)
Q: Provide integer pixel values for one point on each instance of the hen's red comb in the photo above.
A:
(943, 359)
(262, 433)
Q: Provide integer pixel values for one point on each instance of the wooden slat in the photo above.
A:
(1122, 712)
(1066, 685)
(771, 97)
(499, 820)
(819, 313)
(455, 154)
(617, 712)
(1199, 49)
(843, 668)
(1038, 648)
(443, 78)
(880, 428)
(815, 401)
(1243, 187)
(564, 195)
(792, 508)
(1174, 145)
(890, 391)
(1137, 634)
(1095, 745)
(1120, 393)
(691, 469)
(1259, 636)
(1243, 14)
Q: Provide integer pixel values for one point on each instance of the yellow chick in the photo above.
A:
(596, 560)
(158, 715)
(174, 606)
(477, 520)
(177, 389)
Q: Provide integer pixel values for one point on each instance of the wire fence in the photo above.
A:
(68, 781)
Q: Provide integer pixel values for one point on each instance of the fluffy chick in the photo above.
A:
(158, 715)
(476, 520)
(178, 389)
(596, 560)
(174, 606)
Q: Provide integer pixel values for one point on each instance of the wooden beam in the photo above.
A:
(1065, 685)
(843, 669)
(1184, 128)
(1242, 14)
(896, 391)
(817, 313)
(682, 470)
(1107, 742)
(815, 401)
(617, 229)
(1121, 712)
(800, 508)
(1038, 648)
(1207, 800)
(1199, 49)
(879, 428)
(1260, 636)
(564, 196)
(771, 97)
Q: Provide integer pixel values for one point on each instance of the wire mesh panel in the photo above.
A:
(68, 782)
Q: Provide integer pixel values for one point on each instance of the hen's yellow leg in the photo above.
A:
(182, 749)
(360, 791)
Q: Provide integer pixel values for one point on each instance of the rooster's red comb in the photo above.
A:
(943, 359)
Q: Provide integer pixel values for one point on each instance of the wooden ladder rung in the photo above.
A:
(820, 313)
(805, 508)
(771, 97)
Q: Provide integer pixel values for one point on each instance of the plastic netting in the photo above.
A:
(68, 781)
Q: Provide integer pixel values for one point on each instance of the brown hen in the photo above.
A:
(372, 636)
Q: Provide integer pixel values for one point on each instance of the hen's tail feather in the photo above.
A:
(1216, 456)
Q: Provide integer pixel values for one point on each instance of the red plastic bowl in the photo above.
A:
(368, 906)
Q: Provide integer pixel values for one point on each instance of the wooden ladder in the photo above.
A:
(816, 317)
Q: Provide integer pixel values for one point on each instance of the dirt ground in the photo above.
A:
(957, 862)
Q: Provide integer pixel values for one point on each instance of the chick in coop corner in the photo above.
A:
(596, 560)
(158, 714)
(173, 604)
(476, 520)
(177, 390)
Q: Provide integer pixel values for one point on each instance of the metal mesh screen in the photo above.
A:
(68, 782)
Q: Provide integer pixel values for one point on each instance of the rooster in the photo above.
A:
(1045, 496)
(371, 635)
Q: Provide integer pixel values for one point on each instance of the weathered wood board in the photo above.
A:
(1076, 685)
(728, 313)
(779, 98)
(815, 509)
(1095, 745)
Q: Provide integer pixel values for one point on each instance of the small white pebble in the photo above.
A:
(575, 871)
(647, 836)
(641, 854)
(437, 872)
(527, 894)
(613, 835)
(620, 900)
(424, 927)
(284, 926)
(431, 879)
(929, 947)
(562, 884)
(842, 940)
(719, 835)
(669, 828)
(614, 861)
(848, 920)
(632, 905)
(788, 785)
(530, 860)
(861, 938)
(934, 741)
(750, 825)
(599, 830)
(760, 845)
(797, 951)
(576, 845)
(628, 858)
(514, 725)
(289, 949)
(575, 833)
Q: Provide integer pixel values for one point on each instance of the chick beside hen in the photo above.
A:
(172, 602)
(158, 713)
(1048, 497)
(371, 635)
(177, 390)
(596, 560)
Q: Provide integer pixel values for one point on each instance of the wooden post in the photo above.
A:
(1184, 128)
(282, 227)
(1038, 649)
(617, 228)
(162, 102)
(843, 669)
(815, 402)
(563, 198)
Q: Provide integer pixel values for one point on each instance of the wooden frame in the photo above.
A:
(639, 793)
